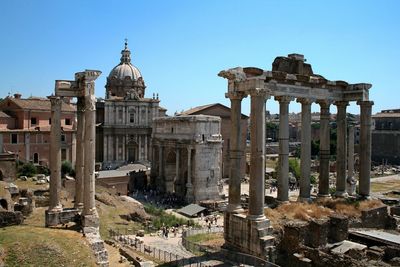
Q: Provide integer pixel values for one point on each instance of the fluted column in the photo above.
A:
(257, 165)
(324, 149)
(305, 157)
(90, 135)
(55, 154)
(365, 147)
(235, 152)
(350, 162)
(283, 171)
(80, 151)
(341, 151)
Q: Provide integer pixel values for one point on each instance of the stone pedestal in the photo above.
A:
(341, 151)
(324, 152)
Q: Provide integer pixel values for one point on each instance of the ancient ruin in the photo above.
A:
(291, 78)
(187, 155)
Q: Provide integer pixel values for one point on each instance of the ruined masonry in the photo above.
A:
(290, 78)
(85, 209)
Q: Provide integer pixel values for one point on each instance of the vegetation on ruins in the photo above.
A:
(161, 218)
(66, 169)
(27, 169)
(294, 167)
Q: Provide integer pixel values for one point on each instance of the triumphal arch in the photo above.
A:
(290, 79)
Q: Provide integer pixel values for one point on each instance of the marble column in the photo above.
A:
(283, 169)
(140, 149)
(146, 147)
(350, 162)
(55, 154)
(235, 152)
(189, 185)
(80, 151)
(305, 156)
(365, 147)
(124, 148)
(341, 151)
(90, 135)
(160, 161)
(105, 147)
(116, 147)
(324, 149)
(257, 165)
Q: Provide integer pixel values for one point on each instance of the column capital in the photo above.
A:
(324, 103)
(259, 92)
(235, 95)
(305, 101)
(90, 103)
(365, 103)
(284, 99)
(55, 101)
(341, 103)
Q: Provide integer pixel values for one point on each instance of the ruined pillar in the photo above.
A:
(235, 152)
(365, 147)
(177, 154)
(324, 149)
(80, 151)
(305, 156)
(257, 165)
(341, 151)
(283, 171)
(350, 162)
(55, 154)
(89, 179)
(189, 184)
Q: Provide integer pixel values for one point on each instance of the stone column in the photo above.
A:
(105, 145)
(146, 147)
(305, 156)
(350, 162)
(116, 147)
(189, 185)
(235, 152)
(160, 160)
(257, 165)
(324, 149)
(124, 148)
(55, 154)
(341, 152)
(110, 148)
(90, 135)
(80, 151)
(140, 149)
(365, 147)
(283, 171)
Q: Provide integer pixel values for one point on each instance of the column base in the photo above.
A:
(282, 202)
(256, 217)
(79, 206)
(364, 197)
(90, 221)
(324, 196)
(234, 208)
(341, 194)
(57, 208)
(304, 199)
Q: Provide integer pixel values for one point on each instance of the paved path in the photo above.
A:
(385, 178)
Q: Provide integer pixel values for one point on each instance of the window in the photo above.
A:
(132, 118)
(67, 121)
(14, 138)
(63, 138)
(172, 130)
(36, 158)
(49, 121)
(33, 121)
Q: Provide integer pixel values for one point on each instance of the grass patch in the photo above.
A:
(36, 246)
(161, 218)
(204, 238)
(385, 186)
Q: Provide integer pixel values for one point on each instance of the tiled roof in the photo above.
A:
(40, 104)
(196, 110)
(4, 115)
(387, 115)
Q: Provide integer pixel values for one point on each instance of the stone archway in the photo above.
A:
(170, 171)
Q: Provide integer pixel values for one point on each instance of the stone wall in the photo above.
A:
(8, 218)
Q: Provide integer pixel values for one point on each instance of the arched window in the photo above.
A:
(36, 158)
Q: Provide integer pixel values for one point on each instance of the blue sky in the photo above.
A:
(180, 46)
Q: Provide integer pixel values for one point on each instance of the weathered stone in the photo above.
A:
(375, 217)
(338, 228)
(294, 235)
(317, 233)
(8, 218)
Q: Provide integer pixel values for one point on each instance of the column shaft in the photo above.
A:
(365, 147)
(90, 135)
(79, 154)
(176, 167)
(324, 149)
(189, 186)
(257, 165)
(55, 154)
(341, 151)
(283, 171)
(350, 162)
(235, 152)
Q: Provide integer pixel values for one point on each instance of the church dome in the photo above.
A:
(125, 68)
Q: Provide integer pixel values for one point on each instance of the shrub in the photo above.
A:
(294, 167)
(66, 168)
(27, 169)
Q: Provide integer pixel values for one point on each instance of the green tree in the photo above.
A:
(27, 169)
(294, 167)
(66, 168)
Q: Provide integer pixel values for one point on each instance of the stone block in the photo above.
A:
(338, 228)
(375, 218)
(317, 233)
(395, 210)
(90, 221)
(294, 234)
(8, 218)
